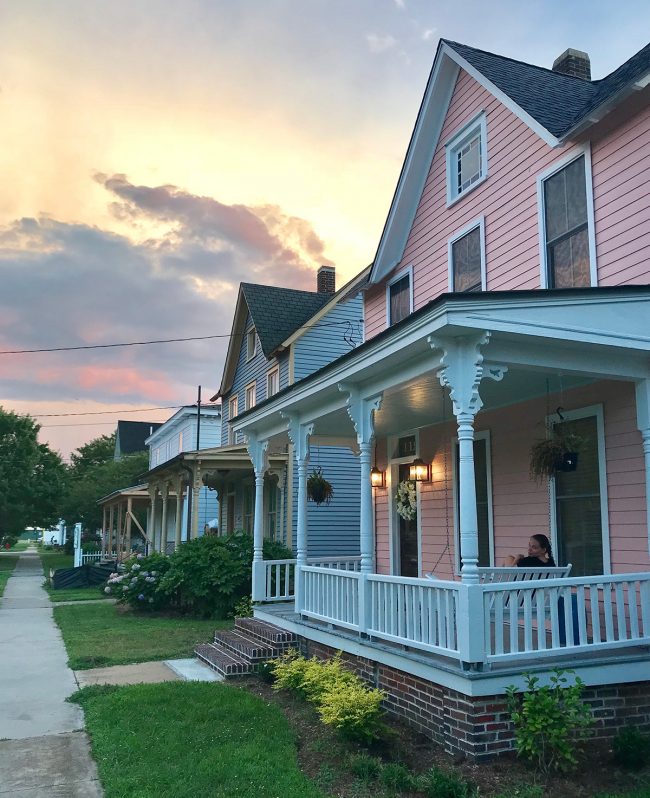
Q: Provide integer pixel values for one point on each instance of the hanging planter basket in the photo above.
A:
(319, 490)
(557, 452)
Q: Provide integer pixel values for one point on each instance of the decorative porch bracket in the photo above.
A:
(299, 435)
(258, 452)
(643, 423)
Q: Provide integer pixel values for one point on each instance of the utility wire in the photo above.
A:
(106, 412)
(157, 341)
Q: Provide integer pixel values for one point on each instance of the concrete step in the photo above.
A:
(250, 648)
(266, 632)
(224, 662)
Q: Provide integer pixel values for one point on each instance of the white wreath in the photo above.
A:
(407, 502)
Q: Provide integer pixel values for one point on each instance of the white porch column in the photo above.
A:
(163, 519)
(104, 531)
(257, 450)
(361, 410)
(178, 520)
(299, 434)
(461, 371)
(151, 520)
(643, 423)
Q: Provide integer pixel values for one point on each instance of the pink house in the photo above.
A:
(508, 303)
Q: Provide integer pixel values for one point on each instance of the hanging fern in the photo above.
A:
(319, 490)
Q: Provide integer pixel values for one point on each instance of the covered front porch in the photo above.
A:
(464, 370)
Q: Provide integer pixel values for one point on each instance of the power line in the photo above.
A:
(88, 424)
(105, 412)
(156, 341)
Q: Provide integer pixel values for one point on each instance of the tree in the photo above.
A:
(94, 474)
(32, 477)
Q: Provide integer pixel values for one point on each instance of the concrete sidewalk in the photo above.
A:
(43, 749)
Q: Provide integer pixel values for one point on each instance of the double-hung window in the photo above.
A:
(232, 414)
(272, 381)
(466, 158)
(566, 222)
(250, 396)
(399, 297)
(251, 343)
(467, 259)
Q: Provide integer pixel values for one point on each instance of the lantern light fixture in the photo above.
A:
(377, 477)
(419, 471)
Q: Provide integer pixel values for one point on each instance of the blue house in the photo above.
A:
(280, 335)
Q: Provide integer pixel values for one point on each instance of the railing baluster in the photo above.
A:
(540, 606)
(513, 607)
(498, 622)
(528, 622)
(607, 609)
(582, 615)
(621, 625)
(633, 608)
(555, 632)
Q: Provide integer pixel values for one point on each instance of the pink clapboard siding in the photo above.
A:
(508, 201)
(621, 178)
(520, 506)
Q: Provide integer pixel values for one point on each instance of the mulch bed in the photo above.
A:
(322, 756)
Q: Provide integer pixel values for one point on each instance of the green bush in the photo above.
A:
(550, 721)
(398, 778)
(243, 608)
(631, 748)
(343, 700)
(436, 783)
(138, 581)
(364, 767)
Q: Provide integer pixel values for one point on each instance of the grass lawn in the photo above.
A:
(7, 565)
(77, 593)
(186, 739)
(55, 559)
(97, 635)
(20, 545)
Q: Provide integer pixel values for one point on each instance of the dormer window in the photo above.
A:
(399, 296)
(466, 159)
(251, 343)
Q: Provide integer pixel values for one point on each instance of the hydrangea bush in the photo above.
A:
(137, 582)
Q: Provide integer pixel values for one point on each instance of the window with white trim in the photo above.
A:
(232, 414)
(250, 396)
(272, 382)
(466, 158)
(399, 297)
(467, 259)
(251, 343)
(566, 227)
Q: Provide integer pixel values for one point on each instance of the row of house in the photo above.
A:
(508, 301)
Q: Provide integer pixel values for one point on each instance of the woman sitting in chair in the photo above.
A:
(539, 554)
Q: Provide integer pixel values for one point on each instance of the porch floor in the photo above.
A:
(283, 615)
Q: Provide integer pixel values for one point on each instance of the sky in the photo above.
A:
(154, 154)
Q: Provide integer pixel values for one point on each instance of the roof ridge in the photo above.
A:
(283, 288)
(524, 63)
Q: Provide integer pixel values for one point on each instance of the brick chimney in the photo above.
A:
(573, 62)
(326, 280)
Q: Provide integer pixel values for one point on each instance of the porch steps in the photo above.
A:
(240, 651)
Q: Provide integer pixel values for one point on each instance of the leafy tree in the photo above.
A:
(32, 477)
(91, 478)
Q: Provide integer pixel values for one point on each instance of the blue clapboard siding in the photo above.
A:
(333, 528)
(246, 372)
(326, 341)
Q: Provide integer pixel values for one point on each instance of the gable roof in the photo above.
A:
(276, 314)
(131, 436)
(553, 105)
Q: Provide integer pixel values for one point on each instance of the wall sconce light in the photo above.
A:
(377, 478)
(419, 471)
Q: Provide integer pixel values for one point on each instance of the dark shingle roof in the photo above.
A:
(131, 435)
(278, 312)
(558, 102)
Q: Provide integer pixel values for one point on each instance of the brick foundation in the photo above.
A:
(479, 728)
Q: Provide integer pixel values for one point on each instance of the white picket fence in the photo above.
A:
(96, 556)
(478, 623)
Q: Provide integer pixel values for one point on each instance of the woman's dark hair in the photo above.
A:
(544, 543)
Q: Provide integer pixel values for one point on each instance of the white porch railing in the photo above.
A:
(477, 623)
(279, 575)
(96, 556)
(590, 613)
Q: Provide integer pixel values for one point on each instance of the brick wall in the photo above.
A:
(479, 728)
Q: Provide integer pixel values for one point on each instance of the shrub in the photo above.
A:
(631, 748)
(138, 581)
(364, 766)
(208, 576)
(550, 721)
(436, 783)
(398, 777)
(342, 699)
(243, 608)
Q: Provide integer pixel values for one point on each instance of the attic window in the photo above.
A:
(466, 159)
(251, 344)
